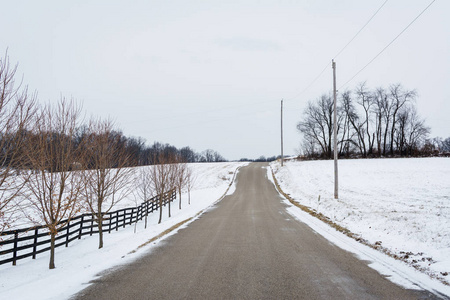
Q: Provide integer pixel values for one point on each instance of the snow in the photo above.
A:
(403, 205)
(82, 262)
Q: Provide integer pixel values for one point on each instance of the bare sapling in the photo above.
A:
(143, 187)
(16, 110)
(53, 185)
(190, 182)
(108, 177)
(161, 175)
(180, 168)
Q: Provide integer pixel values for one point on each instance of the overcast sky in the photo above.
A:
(211, 74)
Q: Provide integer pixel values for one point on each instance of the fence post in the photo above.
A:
(117, 220)
(81, 226)
(35, 243)
(16, 236)
(92, 224)
(124, 217)
(110, 219)
(67, 233)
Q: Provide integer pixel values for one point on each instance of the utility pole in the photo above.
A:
(282, 158)
(335, 150)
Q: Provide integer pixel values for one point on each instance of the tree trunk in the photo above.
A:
(392, 135)
(385, 137)
(179, 193)
(52, 251)
(160, 208)
(169, 207)
(146, 214)
(100, 232)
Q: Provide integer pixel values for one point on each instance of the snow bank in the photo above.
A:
(81, 262)
(403, 205)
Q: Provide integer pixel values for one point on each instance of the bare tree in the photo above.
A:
(53, 187)
(417, 131)
(365, 99)
(350, 126)
(180, 169)
(377, 118)
(317, 125)
(143, 189)
(358, 127)
(190, 182)
(161, 176)
(445, 145)
(107, 180)
(16, 110)
(380, 109)
(208, 155)
(398, 98)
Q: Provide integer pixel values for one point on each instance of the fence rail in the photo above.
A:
(28, 242)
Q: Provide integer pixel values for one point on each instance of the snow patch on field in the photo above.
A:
(402, 205)
(82, 262)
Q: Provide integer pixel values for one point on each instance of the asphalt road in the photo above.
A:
(248, 247)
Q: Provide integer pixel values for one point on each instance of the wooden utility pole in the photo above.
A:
(282, 158)
(336, 196)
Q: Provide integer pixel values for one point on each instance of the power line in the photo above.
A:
(329, 63)
(312, 82)
(361, 29)
(382, 50)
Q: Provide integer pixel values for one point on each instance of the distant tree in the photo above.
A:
(446, 145)
(262, 158)
(399, 97)
(218, 157)
(371, 122)
(353, 128)
(317, 126)
(365, 98)
(135, 148)
(417, 132)
(381, 110)
(188, 155)
(208, 155)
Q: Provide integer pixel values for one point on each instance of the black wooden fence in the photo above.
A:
(26, 242)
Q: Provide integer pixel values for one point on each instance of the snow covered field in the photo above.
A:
(81, 262)
(402, 205)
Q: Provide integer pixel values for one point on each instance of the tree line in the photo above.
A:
(55, 166)
(262, 158)
(376, 122)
